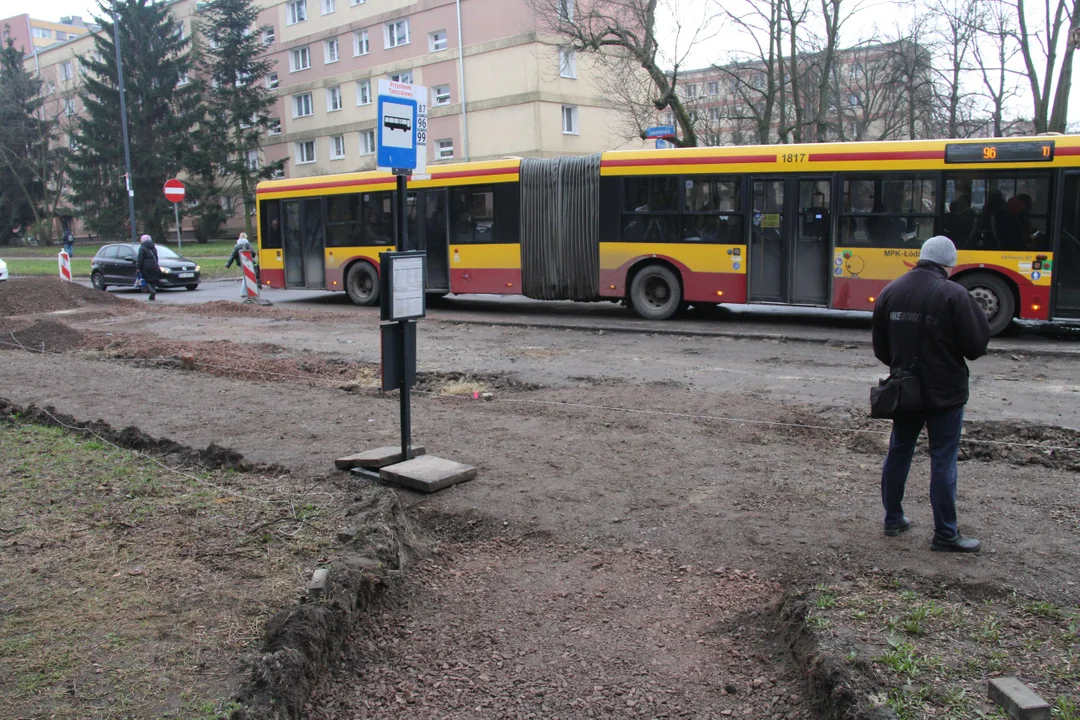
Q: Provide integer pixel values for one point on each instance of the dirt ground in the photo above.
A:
(607, 462)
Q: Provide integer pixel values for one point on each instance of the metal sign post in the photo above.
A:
(174, 193)
(402, 149)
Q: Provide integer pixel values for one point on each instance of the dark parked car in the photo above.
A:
(115, 265)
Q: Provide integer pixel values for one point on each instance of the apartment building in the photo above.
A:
(496, 87)
(32, 35)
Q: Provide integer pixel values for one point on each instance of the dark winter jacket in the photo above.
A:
(956, 329)
(147, 262)
(237, 249)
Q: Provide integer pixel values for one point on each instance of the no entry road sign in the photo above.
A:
(174, 190)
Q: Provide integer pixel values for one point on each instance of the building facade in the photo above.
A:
(497, 88)
(31, 35)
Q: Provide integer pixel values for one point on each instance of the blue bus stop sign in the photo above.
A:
(402, 130)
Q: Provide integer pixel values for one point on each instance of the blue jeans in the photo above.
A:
(943, 428)
(69, 249)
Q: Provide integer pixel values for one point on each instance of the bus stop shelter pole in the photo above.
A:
(401, 237)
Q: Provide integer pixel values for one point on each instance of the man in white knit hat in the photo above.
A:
(928, 324)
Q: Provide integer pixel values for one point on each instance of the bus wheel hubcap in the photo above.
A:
(657, 292)
(987, 299)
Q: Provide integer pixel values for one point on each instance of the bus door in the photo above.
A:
(305, 242)
(1066, 270)
(790, 245)
(428, 231)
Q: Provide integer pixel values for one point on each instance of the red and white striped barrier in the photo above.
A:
(251, 285)
(65, 265)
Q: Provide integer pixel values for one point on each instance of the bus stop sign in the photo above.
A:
(402, 131)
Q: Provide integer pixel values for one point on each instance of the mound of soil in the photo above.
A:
(24, 296)
(41, 336)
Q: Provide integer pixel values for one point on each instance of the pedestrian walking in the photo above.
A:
(147, 264)
(926, 325)
(243, 245)
(69, 242)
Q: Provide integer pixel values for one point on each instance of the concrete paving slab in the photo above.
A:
(427, 473)
(377, 458)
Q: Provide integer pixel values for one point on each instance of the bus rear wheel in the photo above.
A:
(655, 293)
(994, 297)
(362, 284)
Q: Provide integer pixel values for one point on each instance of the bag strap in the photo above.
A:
(923, 322)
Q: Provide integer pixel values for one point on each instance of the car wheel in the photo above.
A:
(362, 284)
(98, 281)
(192, 287)
(656, 293)
(994, 297)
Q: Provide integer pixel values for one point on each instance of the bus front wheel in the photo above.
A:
(655, 293)
(362, 284)
(994, 297)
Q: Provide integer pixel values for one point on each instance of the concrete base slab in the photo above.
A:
(1018, 700)
(377, 458)
(427, 473)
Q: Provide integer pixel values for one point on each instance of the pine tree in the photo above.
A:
(162, 110)
(237, 108)
(32, 164)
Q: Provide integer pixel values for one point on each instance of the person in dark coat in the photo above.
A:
(147, 263)
(956, 329)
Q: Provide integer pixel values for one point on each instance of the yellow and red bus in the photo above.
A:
(826, 225)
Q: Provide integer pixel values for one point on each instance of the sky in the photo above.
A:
(51, 10)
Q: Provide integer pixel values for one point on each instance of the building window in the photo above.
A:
(299, 59)
(296, 11)
(302, 105)
(41, 32)
(333, 98)
(69, 106)
(337, 147)
(272, 81)
(354, 3)
(403, 77)
(442, 94)
(714, 88)
(330, 51)
(567, 63)
(714, 113)
(361, 46)
(67, 70)
(569, 120)
(278, 174)
(691, 91)
(363, 92)
(444, 149)
(367, 142)
(853, 100)
(268, 36)
(273, 126)
(183, 80)
(305, 152)
(397, 33)
(253, 160)
(566, 10)
(328, 6)
(61, 35)
(437, 40)
(50, 87)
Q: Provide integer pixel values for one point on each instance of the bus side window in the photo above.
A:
(472, 215)
(270, 214)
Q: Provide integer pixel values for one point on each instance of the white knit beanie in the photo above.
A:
(939, 249)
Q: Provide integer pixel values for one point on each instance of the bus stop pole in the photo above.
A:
(401, 236)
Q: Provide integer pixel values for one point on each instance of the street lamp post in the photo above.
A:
(123, 122)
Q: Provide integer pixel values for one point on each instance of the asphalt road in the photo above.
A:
(767, 322)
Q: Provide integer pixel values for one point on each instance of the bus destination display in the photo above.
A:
(1005, 152)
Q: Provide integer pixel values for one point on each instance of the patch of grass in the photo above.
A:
(1065, 708)
(901, 658)
(22, 267)
(1047, 610)
(907, 705)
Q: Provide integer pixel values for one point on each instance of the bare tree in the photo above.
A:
(995, 48)
(956, 35)
(866, 95)
(1041, 38)
(625, 33)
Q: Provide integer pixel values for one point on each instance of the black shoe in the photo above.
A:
(959, 543)
(894, 530)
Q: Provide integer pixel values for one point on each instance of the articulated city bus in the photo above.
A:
(825, 225)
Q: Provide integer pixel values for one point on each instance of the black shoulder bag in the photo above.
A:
(902, 390)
